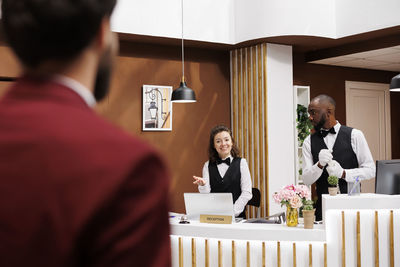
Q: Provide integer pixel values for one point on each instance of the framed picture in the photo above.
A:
(157, 108)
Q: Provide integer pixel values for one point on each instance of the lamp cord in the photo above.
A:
(183, 53)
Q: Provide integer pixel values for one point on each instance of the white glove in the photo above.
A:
(334, 169)
(324, 157)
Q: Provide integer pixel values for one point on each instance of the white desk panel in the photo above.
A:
(248, 231)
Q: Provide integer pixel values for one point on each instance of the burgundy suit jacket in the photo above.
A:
(74, 189)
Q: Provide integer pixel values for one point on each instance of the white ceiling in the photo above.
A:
(381, 59)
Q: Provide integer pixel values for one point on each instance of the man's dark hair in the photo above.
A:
(39, 30)
(212, 152)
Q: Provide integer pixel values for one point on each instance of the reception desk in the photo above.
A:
(355, 233)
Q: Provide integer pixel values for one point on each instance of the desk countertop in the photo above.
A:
(248, 231)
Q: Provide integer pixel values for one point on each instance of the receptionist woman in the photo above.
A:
(225, 171)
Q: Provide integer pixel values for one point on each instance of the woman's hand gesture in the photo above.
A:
(199, 181)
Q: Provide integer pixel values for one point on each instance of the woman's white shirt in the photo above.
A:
(245, 183)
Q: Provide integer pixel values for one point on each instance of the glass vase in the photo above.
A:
(292, 216)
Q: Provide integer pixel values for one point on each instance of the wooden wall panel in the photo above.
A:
(249, 115)
(185, 147)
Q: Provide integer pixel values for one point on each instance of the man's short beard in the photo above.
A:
(103, 75)
(321, 123)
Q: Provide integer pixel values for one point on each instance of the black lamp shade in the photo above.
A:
(395, 84)
(183, 94)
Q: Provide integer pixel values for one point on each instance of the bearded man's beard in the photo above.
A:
(103, 75)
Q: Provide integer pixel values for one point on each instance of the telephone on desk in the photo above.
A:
(278, 218)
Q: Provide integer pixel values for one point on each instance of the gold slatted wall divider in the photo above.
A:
(249, 115)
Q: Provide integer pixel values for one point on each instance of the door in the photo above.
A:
(368, 109)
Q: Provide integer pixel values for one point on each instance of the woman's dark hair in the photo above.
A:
(212, 152)
(39, 30)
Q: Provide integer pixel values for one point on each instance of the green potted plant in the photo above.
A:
(332, 182)
(308, 214)
(304, 125)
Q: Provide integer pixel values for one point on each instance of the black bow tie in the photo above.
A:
(324, 133)
(227, 161)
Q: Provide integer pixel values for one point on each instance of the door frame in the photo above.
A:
(376, 87)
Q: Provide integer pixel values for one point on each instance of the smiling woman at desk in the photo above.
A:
(225, 171)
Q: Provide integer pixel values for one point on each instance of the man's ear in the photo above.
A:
(102, 36)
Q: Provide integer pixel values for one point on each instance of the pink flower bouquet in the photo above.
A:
(292, 195)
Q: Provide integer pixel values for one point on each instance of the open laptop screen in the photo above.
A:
(208, 204)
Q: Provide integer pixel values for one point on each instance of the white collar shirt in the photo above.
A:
(366, 170)
(77, 87)
(245, 183)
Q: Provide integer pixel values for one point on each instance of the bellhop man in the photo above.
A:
(75, 190)
(333, 149)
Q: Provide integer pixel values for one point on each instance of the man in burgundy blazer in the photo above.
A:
(74, 189)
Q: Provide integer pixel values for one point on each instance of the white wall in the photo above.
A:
(205, 20)
(235, 21)
(284, 17)
(280, 119)
(358, 16)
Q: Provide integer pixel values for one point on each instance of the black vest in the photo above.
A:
(230, 182)
(342, 153)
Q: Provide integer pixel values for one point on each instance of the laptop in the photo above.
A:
(208, 204)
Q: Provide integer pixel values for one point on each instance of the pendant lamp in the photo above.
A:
(395, 84)
(183, 94)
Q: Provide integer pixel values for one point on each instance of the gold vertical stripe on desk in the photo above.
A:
(310, 255)
(207, 254)
(193, 252)
(358, 240)
(219, 254)
(294, 255)
(265, 138)
(263, 254)
(233, 254)
(278, 252)
(325, 256)
(180, 252)
(376, 238)
(248, 254)
(343, 241)
(391, 235)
